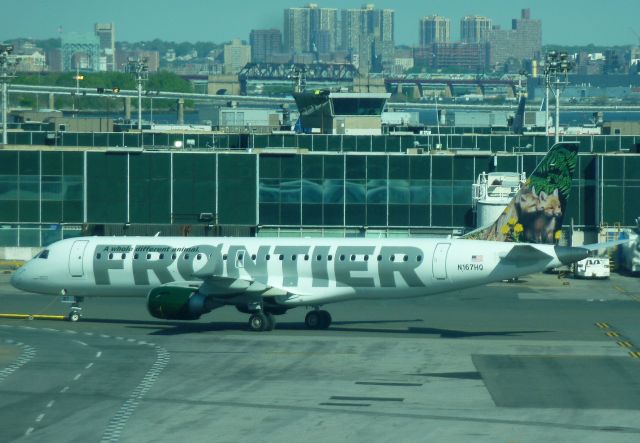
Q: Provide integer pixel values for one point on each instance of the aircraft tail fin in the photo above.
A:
(535, 214)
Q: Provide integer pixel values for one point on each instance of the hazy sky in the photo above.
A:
(568, 22)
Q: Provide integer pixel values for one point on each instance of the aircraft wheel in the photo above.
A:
(271, 322)
(325, 318)
(317, 320)
(74, 316)
(258, 322)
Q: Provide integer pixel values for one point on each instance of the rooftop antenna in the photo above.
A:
(298, 74)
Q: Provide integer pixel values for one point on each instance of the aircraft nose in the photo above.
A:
(17, 279)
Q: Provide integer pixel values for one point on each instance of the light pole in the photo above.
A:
(557, 64)
(7, 70)
(140, 68)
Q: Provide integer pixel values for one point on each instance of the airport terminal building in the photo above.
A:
(287, 185)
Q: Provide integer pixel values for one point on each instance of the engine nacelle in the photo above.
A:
(176, 303)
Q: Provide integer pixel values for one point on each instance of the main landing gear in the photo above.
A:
(262, 321)
(318, 319)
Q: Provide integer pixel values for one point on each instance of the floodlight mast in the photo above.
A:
(7, 71)
(557, 64)
(140, 68)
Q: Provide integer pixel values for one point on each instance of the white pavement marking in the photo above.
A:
(80, 342)
(29, 431)
(77, 377)
(39, 418)
(88, 366)
(28, 353)
(50, 403)
(65, 389)
(118, 421)
(98, 354)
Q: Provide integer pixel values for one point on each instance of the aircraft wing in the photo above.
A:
(223, 287)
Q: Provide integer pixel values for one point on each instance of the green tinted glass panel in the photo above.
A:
(631, 205)
(106, 187)
(377, 166)
(355, 215)
(311, 166)
(51, 163)
(356, 166)
(441, 215)
(269, 166)
(376, 215)
(632, 168)
(8, 210)
(237, 177)
(52, 211)
(73, 163)
(399, 166)
(399, 215)
(290, 214)
(419, 215)
(72, 211)
(312, 215)
(290, 166)
(150, 186)
(8, 162)
(29, 163)
(442, 167)
(334, 166)
(29, 211)
(463, 168)
(29, 237)
(420, 167)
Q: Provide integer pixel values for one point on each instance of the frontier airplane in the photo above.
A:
(184, 277)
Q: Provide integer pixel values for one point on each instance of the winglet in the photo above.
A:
(535, 214)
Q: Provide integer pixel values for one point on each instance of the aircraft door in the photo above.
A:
(76, 257)
(440, 261)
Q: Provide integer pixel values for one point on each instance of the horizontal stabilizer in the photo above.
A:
(524, 255)
(606, 245)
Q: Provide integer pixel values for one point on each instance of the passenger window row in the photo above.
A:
(280, 257)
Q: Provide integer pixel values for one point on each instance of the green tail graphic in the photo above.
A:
(535, 214)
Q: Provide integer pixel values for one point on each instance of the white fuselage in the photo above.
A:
(300, 271)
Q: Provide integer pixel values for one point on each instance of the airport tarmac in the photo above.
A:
(541, 359)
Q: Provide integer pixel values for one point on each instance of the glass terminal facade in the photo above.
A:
(46, 195)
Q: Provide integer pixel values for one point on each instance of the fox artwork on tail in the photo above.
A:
(535, 214)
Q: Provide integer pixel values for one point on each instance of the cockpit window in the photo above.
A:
(44, 254)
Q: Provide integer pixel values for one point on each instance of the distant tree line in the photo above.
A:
(162, 81)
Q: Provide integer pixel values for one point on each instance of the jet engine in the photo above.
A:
(177, 303)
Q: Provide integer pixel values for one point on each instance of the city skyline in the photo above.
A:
(144, 20)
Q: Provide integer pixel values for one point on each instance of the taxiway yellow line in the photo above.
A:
(33, 316)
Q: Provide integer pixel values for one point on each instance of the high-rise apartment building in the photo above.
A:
(264, 43)
(106, 33)
(369, 33)
(297, 29)
(310, 29)
(368, 23)
(434, 29)
(323, 29)
(474, 29)
(522, 42)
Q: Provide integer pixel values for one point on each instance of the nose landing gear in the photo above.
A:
(75, 313)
